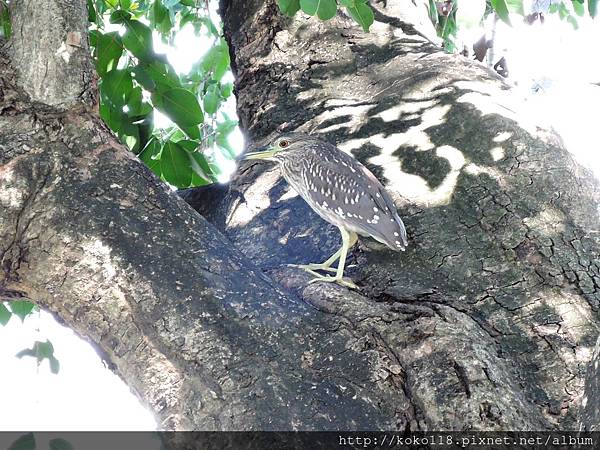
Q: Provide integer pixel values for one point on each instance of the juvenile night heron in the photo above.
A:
(340, 190)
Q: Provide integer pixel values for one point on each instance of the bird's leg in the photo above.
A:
(348, 240)
(323, 266)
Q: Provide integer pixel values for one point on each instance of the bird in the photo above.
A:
(340, 190)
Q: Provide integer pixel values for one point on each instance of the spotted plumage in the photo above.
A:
(338, 188)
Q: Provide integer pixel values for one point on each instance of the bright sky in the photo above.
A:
(84, 393)
(82, 396)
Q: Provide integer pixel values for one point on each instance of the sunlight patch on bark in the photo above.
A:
(288, 194)
(575, 317)
(99, 258)
(10, 197)
(395, 112)
(474, 169)
(417, 136)
(408, 185)
(503, 137)
(497, 153)
(63, 52)
(356, 116)
(490, 100)
(549, 222)
(257, 199)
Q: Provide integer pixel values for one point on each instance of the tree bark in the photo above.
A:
(492, 313)
(488, 321)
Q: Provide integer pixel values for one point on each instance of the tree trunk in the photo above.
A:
(488, 321)
(491, 316)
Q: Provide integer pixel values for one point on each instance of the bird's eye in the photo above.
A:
(284, 143)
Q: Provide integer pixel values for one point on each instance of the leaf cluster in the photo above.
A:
(135, 82)
(449, 16)
(359, 10)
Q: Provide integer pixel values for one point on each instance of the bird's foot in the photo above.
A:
(310, 268)
(339, 280)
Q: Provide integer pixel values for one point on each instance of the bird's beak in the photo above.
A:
(265, 152)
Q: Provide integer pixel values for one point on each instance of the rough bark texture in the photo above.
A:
(491, 317)
(488, 322)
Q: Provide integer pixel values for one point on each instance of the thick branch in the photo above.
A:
(203, 337)
(502, 223)
(49, 49)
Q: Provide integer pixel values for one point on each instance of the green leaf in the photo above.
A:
(289, 7)
(501, 9)
(120, 16)
(54, 365)
(227, 126)
(26, 352)
(21, 308)
(41, 351)
(60, 444)
(162, 74)
(160, 18)
(217, 60)
(226, 90)
(362, 13)
(516, 6)
(324, 9)
(134, 102)
(175, 165)
(45, 349)
(211, 99)
(192, 132)
(111, 116)
(138, 40)
(91, 11)
(5, 20)
(129, 133)
(563, 11)
(201, 169)
(109, 49)
(593, 7)
(116, 87)
(578, 7)
(180, 105)
(25, 442)
(142, 76)
(573, 21)
(433, 15)
(138, 109)
(4, 314)
(151, 155)
(200, 177)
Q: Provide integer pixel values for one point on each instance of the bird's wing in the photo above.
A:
(352, 192)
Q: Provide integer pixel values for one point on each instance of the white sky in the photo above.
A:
(82, 396)
(84, 393)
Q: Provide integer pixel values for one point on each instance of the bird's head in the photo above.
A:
(282, 146)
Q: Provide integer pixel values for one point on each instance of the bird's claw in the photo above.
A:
(341, 281)
(312, 267)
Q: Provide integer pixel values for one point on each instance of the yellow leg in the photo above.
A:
(323, 266)
(349, 238)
